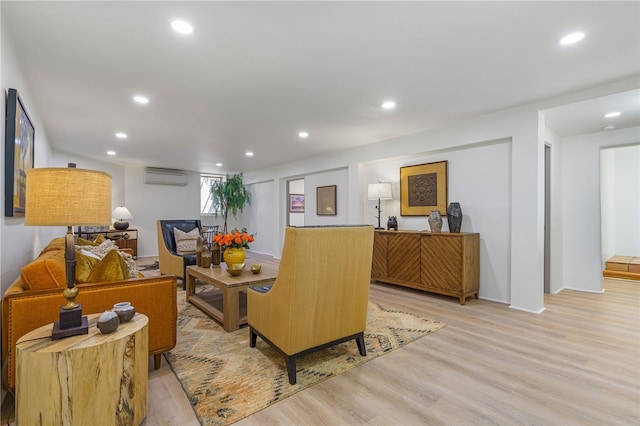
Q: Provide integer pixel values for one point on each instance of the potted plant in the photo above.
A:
(229, 196)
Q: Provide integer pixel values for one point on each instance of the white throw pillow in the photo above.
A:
(186, 242)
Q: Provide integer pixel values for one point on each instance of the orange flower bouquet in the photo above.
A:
(234, 239)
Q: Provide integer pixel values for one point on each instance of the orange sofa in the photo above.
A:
(25, 309)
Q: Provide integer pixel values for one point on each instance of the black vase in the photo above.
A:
(454, 217)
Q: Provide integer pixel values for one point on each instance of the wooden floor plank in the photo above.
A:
(577, 363)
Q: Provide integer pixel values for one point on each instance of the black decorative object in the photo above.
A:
(392, 223)
(454, 217)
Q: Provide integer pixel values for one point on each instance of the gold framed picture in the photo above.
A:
(423, 188)
(326, 200)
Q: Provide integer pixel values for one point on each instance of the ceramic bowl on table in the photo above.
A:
(236, 269)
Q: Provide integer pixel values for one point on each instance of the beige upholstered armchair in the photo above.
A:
(320, 296)
(172, 262)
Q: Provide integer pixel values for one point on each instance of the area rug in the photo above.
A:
(226, 380)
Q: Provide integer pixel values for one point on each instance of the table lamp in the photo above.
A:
(121, 213)
(68, 197)
(379, 191)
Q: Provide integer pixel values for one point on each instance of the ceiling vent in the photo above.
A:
(157, 176)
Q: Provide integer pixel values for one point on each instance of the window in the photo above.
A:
(206, 205)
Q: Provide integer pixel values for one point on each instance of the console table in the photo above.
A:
(127, 239)
(444, 263)
(83, 380)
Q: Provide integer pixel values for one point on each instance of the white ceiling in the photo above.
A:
(253, 74)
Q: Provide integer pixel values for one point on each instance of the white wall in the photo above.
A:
(620, 201)
(148, 203)
(582, 249)
(479, 177)
(520, 252)
(260, 224)
(19, 244)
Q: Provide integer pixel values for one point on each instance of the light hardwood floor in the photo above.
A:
(577, 363)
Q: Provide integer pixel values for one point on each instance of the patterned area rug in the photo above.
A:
(227, 380)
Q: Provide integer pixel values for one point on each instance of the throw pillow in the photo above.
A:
(85, 242)
(186, 242)
(46, 272)
(99, 252)
(90, 269)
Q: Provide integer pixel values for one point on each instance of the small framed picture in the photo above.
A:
(326, 200)
(296, 203)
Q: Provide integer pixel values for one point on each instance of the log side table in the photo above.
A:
(84, 379)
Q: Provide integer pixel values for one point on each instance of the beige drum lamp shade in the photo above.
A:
(67, 197)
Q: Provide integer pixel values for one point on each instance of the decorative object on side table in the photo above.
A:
(392, 223)
(435, 221)
(234, 244)
(68, 197)
(108, 322)
(121, 214)
(235, 269)
(454, 217)
(379, 191)
(125, 311)
(216, 254)
(256, 267)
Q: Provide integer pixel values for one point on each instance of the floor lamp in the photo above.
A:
(379, 191)
(68, 197)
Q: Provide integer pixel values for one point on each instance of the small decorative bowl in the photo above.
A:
(255, 268)
(108, 322)
(235, 269)
(125, 311)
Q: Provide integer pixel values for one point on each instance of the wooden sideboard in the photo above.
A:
(444, 263)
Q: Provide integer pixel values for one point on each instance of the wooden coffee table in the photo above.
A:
(229, 306)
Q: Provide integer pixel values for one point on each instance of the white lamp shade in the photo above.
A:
(380, 191)
(121, 212)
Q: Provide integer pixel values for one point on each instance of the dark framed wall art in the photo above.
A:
(423, 188)
(296, 203)
(18, 158)
(326, 200)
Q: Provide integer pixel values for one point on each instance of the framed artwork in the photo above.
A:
(423, 188)
(18, 158)
(326, 200)
(296, 203)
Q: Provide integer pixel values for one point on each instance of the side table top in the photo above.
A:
(39, 340)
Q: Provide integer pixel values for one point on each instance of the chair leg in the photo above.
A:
(291, 369)
(157, 360)
(361, 346)
(253, 337)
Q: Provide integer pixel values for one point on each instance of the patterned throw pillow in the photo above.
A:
(186, 241)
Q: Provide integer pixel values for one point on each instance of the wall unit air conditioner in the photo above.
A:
(157, 176)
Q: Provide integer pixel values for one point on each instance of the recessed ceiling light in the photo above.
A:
(249, 154)
(121, 135)
(388, 105)
(571, 38)
(141, 99)
(612, 114)
(111, 153)
(182, 27)
(303, 134)
(609, 127)
(218, 164)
